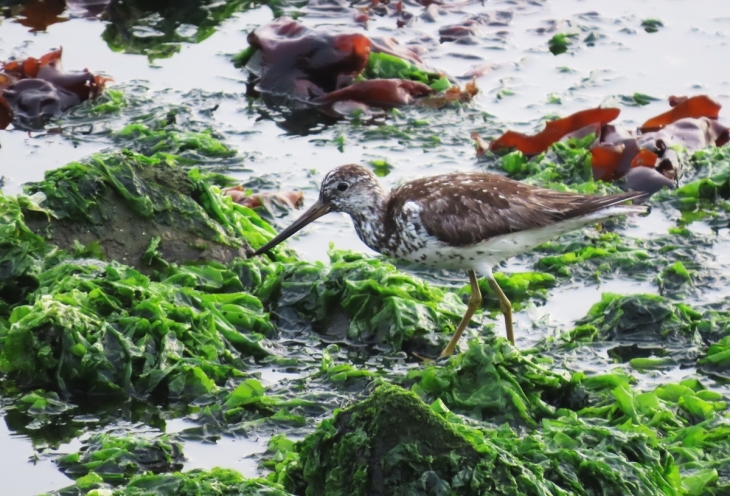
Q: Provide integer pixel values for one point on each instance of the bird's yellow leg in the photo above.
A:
(505, 305)
(474, 301)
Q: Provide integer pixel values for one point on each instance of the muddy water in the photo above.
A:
(521, 83)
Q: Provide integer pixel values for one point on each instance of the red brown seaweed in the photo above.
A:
(617, 153)
(36, 90)
(683, 107)
(303, 67)
(304, 63)
(554, 131)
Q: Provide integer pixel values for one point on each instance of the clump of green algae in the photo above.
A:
(216, 482)
(117, 458)
(362, 299)
(393, 443)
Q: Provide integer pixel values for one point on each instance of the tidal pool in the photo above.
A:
(611, 58)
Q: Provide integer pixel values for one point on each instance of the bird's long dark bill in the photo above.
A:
(315, 212)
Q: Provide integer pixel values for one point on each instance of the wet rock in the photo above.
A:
(391, 443)
(121, 202)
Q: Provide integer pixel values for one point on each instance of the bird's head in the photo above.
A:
(350, 188)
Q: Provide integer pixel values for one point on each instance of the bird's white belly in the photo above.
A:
(481, 257)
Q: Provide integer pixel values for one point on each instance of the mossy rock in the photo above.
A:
(388, 444)
(121, 202)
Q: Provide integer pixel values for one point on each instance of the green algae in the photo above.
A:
(150, 140)
(652, 25)
(361, 299)
(22, 252)
(647, 330)
(704, 191)
(566, 166)
(216, 482)
(341, 373)
(43, 403)
(560, 42)
(393, 443)
(715, 328)
(519, 287)
(109, 102)
(673, 278)
(116, 459)
(495, 383)
(94, 327)
(572, 438)
(387, 66)
(680, 263)
(644, 317)
(378, 447)
(591, 256)
(652, 332)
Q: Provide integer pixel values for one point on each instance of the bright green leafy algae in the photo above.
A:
(566, 166)
(341, 373)
(94, 327)
(560, 42)
(110, 101)
(111, 195)
(116, 459)
(534, 427)
(22, 252)
(392, 443)
(704, 191)
(150, 141)
(680, 263)
(496, 383)
(41, 402)
(386, 66)
(362, 299)
(590, 256)
(216, 482)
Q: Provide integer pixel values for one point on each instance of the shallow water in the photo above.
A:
(686, 56)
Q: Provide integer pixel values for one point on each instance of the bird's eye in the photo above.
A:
(342, 186)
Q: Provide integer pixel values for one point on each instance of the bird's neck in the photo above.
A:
(369, 220)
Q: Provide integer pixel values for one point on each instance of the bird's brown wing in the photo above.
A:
(464, 209)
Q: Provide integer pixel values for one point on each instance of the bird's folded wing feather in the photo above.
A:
(465, 209)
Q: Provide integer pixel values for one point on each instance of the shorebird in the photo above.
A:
(470, 221)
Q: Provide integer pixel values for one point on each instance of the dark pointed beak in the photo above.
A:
(315, 212)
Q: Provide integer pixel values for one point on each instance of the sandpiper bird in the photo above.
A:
(469, 221)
